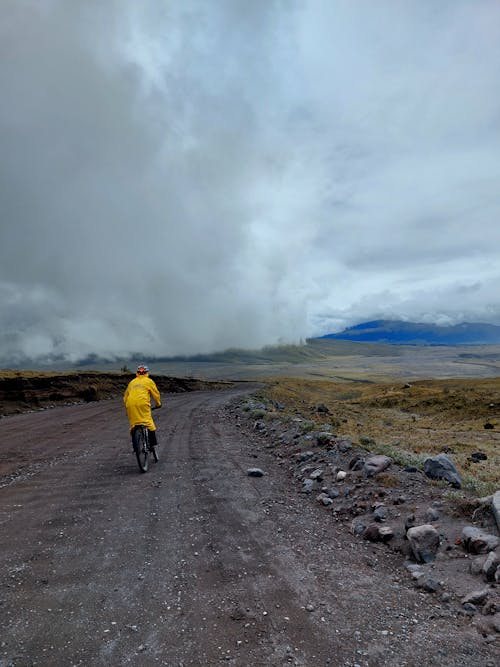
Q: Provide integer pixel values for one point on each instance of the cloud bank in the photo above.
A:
(180, 177)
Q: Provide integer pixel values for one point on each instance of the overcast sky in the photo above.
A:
(181, 176)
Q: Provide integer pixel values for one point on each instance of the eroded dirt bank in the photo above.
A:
(195, 562)
(22, 391)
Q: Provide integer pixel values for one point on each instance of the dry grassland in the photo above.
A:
(409, 421)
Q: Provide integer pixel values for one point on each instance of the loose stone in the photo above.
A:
(375, 464)
(476, 597)
(490, 566)
(424, 542)
(255, 472)
(476, 541)
(441, 467)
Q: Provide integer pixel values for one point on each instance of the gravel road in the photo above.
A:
(194, 562)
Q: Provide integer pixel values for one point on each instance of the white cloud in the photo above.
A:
(191, 176)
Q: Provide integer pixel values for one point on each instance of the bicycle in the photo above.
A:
(142, 447)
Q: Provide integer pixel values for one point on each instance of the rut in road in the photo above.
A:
(192, 563)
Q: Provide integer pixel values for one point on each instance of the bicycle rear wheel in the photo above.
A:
(141, 448)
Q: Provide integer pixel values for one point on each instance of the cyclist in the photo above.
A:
(137, 401)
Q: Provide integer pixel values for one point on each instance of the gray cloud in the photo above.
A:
(184, 177)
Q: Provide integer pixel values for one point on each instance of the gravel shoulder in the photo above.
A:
(194, 562)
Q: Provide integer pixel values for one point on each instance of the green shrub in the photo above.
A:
(257, 414)
(307, 426)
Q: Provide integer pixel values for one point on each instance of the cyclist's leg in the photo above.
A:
(153, 442)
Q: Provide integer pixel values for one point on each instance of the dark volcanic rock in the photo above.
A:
(478, 456)
(375, 533)
(441, 467)
(255, 472)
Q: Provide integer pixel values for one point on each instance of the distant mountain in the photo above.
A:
(396, 332)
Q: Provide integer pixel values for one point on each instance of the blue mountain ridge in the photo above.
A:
(397, 332)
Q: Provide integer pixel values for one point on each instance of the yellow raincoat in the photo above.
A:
(137, 401)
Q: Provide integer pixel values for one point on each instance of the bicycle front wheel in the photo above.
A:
(141, 449)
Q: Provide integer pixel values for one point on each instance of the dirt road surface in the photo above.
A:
(194, 562)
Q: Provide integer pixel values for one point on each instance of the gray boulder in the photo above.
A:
(441, 467)
(375, 464)
(424, 543)
(490, 566)
(475, 541)
(476, 565)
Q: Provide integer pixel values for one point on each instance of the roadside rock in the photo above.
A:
(324, 499)
(424, 542)
(380, 513)
(476, 597)
(490, 566)
(375, 464)
(496, 622)
(344, 445)
(375, 533)
(324, 438)
(357, 462)
(428, 584)
(410, 522)
(255, 472)
(309, 485)
(476, 541)
(441, 467)
(432, 515)
(304, 456)
(477, 564)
